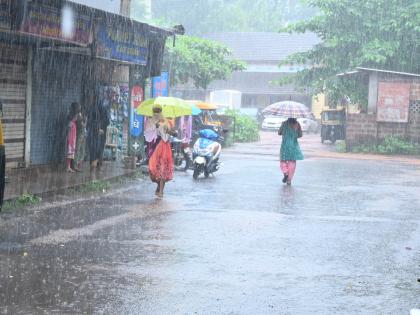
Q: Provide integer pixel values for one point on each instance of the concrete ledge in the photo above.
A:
(44, 180)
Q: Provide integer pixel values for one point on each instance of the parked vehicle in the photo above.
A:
(181, 153)
(206, 153)
(210, 120)
(333, 125)
(273, 122)
(308, 125)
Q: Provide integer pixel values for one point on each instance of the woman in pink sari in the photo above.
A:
(72, 136)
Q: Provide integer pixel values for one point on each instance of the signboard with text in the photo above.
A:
(5, 19)
(136, 120)
(46, 21)
(160, 85)
(123, 43)
(393, 102)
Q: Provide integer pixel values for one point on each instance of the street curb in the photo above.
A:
(51, 192)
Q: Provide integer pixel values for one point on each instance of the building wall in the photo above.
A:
(13, 88)
(360, 128)
(58, 80)
(364, 129)
(319, 104)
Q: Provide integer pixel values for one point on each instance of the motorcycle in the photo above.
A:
(206, 153)
(181, 153)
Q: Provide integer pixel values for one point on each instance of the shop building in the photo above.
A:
(43, 70)
(393, 107)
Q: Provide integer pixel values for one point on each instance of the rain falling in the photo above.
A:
(209, 157)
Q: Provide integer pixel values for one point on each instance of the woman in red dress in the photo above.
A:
(161, 165)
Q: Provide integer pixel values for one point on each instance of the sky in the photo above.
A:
(106, 5)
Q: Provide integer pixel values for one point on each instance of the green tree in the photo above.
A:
(371, 33)
(199, 60)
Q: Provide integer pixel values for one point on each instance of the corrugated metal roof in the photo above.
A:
(361, 70)
(265, 46)
(389, 71)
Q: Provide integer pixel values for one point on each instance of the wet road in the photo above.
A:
(344, 239)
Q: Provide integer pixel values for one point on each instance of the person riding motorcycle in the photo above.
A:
(206, 153)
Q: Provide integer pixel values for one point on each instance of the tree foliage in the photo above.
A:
(371, 33)
(246, 128)
(199, 60)
(203, 16)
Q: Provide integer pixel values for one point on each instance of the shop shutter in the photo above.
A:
(13, 75)
(57, 82)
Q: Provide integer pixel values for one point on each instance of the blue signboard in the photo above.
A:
(160, 85)
(122, 42)
(136, 120)
(136, 123)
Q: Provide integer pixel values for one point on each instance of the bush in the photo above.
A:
(246, 128)
(364, 148)
(390, 145)
(340, 147)
(395, 145)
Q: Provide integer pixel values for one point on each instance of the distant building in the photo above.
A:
(262, 51)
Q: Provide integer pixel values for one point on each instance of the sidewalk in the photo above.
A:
(43, 180)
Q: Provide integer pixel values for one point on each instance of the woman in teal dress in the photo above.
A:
(290, 152)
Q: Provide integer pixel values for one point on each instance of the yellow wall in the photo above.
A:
(319, 103)
(353, 109)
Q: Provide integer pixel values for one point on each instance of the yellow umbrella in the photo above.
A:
(171, 107)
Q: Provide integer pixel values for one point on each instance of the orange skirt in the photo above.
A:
(161, 164)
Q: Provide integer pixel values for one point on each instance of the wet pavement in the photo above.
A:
(343, 239)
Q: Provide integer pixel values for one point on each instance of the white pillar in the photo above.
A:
(125, 8)
(373, 92)
(148, 6)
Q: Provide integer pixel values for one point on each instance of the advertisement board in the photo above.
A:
(126, 42)
(160, 85)
(136, 120)
(47, 21)
(393, 102)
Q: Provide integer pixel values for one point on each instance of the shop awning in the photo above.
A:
(104, 35)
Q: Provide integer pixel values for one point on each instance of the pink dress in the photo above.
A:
(71, 139)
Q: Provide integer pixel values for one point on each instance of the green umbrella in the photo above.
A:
(171, 107)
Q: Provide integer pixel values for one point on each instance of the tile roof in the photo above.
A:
(265, 46)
